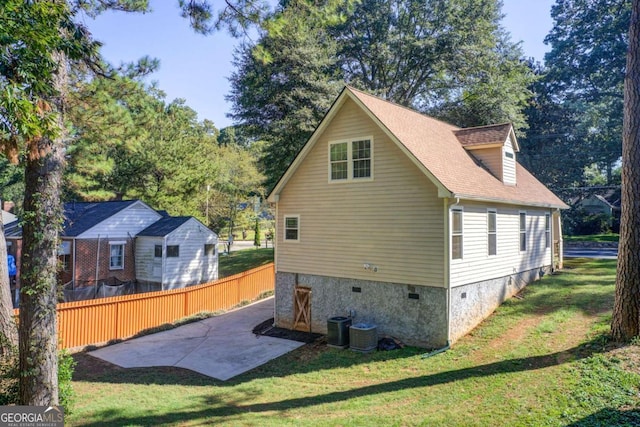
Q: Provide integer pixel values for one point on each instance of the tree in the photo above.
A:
(549, 149)
(447, 58)
(40, 39)
(625, 323)
(284, 85)
(256, 233)
(450, 59)
(586, 68)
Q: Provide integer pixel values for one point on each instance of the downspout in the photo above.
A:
(275, 256)
(447, 265)
(97, 260)
(164, 263)
(133, 258)
(73, 274)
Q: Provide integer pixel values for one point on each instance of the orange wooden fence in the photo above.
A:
(99, 320)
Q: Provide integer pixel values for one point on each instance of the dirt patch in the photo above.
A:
(266, 328)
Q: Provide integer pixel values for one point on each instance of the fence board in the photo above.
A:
(95, 321)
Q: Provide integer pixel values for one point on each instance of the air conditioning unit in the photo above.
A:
(363, 337)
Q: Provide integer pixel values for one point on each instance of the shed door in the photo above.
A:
(302, 309)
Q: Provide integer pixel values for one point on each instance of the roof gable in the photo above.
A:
(436, 150)
(80, 217)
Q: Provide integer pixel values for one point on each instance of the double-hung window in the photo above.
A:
(456, 234)
(116, 256)
(492, 235)
(292, 228)
(523, 231)
(350, 160)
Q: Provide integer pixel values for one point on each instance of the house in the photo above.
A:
(101, 243)
(175, 252)
(407, 222)
(596, 204)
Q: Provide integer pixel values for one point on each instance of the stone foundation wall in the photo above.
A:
(471, 304)
(414, 314)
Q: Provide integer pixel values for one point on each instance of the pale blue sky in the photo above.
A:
(196, 67)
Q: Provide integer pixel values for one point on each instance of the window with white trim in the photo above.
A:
(116, 256)
(292, 228)
(547, 230)
(350, 160)
(523, 231)
(64, 255)
(492, 234)
(157, 251)
(456, 234)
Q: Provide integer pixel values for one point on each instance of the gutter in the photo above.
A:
(508, 201)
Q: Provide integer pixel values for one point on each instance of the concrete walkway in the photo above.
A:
(220, 347)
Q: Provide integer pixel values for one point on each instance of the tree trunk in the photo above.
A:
(626, 310)
(8, 330)
(42, 224)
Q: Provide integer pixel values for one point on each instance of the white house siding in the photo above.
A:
(128, 222)
(491, 158)
(509, 168)
(192, 266)
(394, 223)
(145, 259)
(476, 265)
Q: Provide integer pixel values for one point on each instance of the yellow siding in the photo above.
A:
(476, 265)
(491, 158)
(393, 222)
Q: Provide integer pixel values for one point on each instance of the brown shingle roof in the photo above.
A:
(483, 135)
(434, 144)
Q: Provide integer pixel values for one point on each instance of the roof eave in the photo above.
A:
(476, 198)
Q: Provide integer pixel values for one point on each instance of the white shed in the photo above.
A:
(176, 252)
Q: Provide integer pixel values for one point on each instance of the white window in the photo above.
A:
(64, 255)
(523, 231)
(547, 230)
(456, 234)
(351, 160)
(492, 235)
(292, 228)
(116, 256)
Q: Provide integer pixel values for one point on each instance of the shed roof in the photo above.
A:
(435, 148)
(164, 226)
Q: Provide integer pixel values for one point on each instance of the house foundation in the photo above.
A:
(472, 303)
(416, 315)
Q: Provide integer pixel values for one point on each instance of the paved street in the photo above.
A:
(600, 253)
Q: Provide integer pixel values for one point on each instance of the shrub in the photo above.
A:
(66, 366)
(9, 368)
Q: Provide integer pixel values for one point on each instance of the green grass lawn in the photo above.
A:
(542, 359)
(244, 260)
(611, 237)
